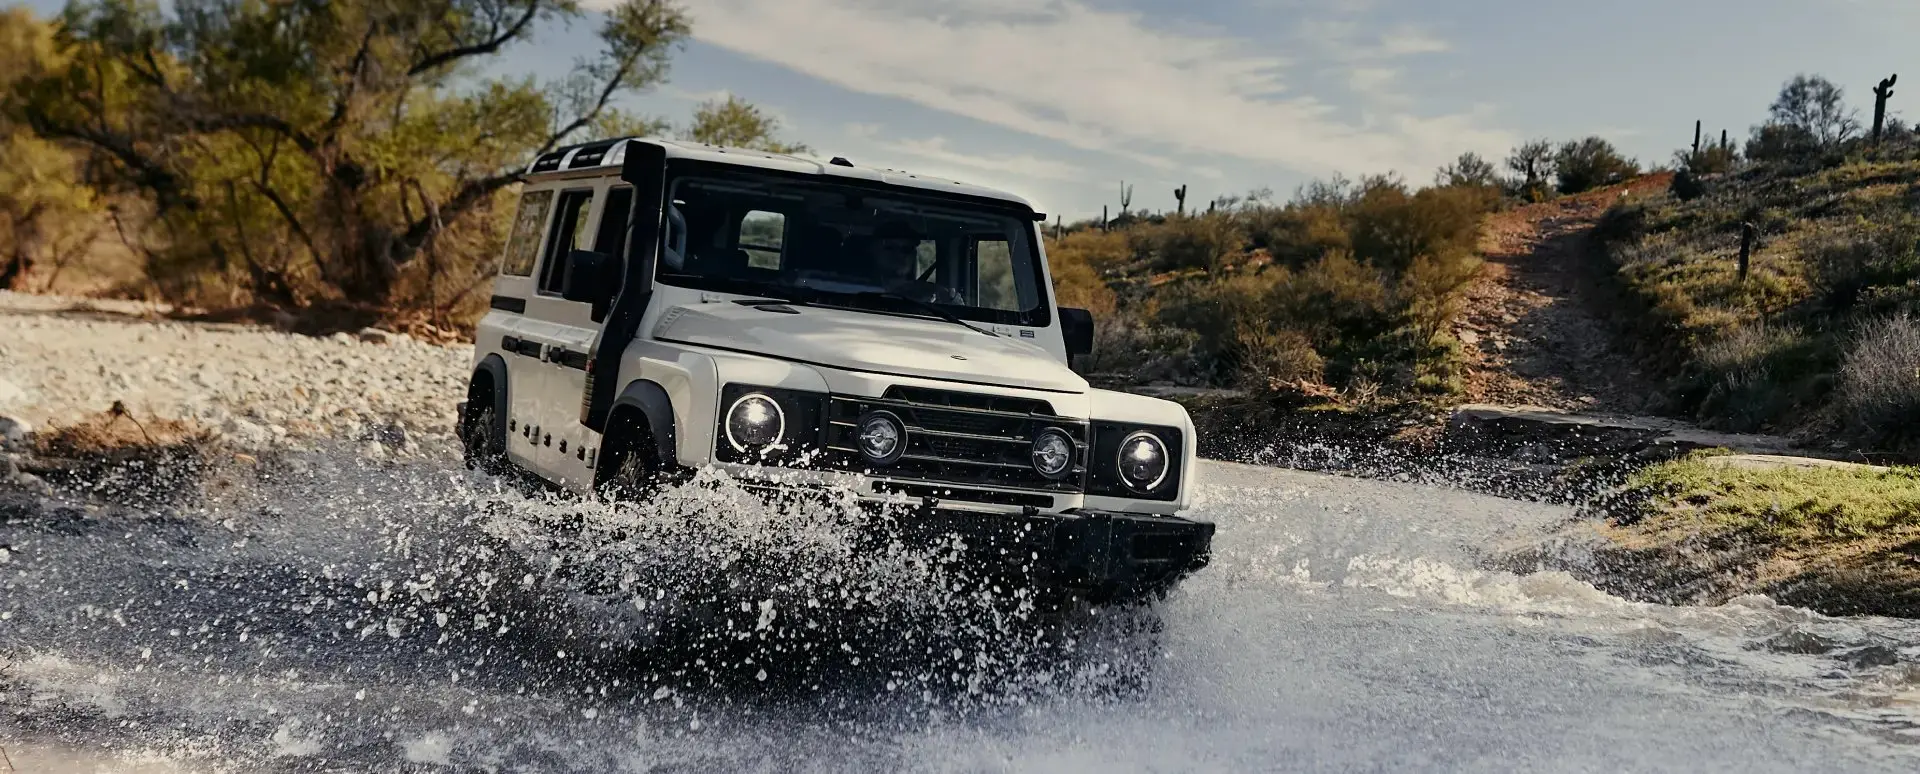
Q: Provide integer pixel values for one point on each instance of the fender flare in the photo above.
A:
(496, 367)
(651, 400)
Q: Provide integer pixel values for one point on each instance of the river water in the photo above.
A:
(326, 613)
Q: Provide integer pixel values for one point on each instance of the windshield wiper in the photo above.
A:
(926, 307)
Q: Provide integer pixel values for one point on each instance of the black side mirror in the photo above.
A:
(586, 277)
(1076, 326)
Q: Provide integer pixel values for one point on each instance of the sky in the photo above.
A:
(1063, 100)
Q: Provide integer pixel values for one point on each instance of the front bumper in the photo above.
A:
(1102, 556)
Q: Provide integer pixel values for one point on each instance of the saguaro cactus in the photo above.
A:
(1180, 199)
(1696, 137)
(1881, 94)
(1126, 197)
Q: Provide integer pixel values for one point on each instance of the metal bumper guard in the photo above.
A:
(1103, 555)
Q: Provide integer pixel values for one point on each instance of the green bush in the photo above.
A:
(1880, 383)
(1583, 165)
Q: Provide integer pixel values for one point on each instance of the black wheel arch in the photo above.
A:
(494, 370)
(646, 401)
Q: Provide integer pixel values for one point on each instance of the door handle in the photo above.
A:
(567, 358)
(520, 346)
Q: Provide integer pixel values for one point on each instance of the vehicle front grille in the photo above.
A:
(957, 438)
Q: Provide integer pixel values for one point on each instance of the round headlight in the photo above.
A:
(755, 420)
(1143, 461)
(882, 438)
(1053, 452)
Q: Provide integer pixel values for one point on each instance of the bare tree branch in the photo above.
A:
(488, 46)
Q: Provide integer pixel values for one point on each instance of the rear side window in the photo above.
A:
(523, 247)
(569, 230)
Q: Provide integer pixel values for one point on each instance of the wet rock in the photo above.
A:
(1796, 641)
(14, 431)
(1871, 656)
(393, 435)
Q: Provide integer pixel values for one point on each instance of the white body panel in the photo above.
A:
(692, 343)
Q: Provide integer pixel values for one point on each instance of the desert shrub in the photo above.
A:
(1197, 242)
(1297, 235)
(1432, 292)
(1688, 185)
(1215, 309)
(1275, 359)
(1623, 224)
(1708, 160)
(1756, 374)
(1880, 383)
(1077, 284)
(1846, 265)
(1332, 300)
(1100, 250)
(1583, 165)
(1782, 142)
(1391, 227)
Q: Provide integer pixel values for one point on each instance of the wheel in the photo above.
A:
(634, 472)
(485, 447)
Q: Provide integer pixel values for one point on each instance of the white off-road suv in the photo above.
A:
(666, 306)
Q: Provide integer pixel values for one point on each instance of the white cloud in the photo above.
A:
(937, 156)
(1411, 41)
(1095, 79)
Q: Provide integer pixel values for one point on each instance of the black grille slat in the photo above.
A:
(958, 438)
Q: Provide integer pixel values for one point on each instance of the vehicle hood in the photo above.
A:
(872, 342)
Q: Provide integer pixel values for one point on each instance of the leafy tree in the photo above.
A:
(1533, 163)
(1583, 165)
(46, 210)
(1818, 107)
(309, 146)
(1469, 170)
(735, 123)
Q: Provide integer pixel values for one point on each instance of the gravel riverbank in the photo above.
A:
(64, 359)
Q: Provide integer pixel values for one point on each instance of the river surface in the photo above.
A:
(325, 613)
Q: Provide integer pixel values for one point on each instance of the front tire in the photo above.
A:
(633, 468)
(485, 445)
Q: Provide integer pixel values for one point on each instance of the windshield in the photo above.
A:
(851, 245)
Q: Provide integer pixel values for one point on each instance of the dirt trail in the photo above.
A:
(1531, 333)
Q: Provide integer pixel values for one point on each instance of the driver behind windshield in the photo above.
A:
(893, 260)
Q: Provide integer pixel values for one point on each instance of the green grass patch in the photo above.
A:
(1791, 506)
